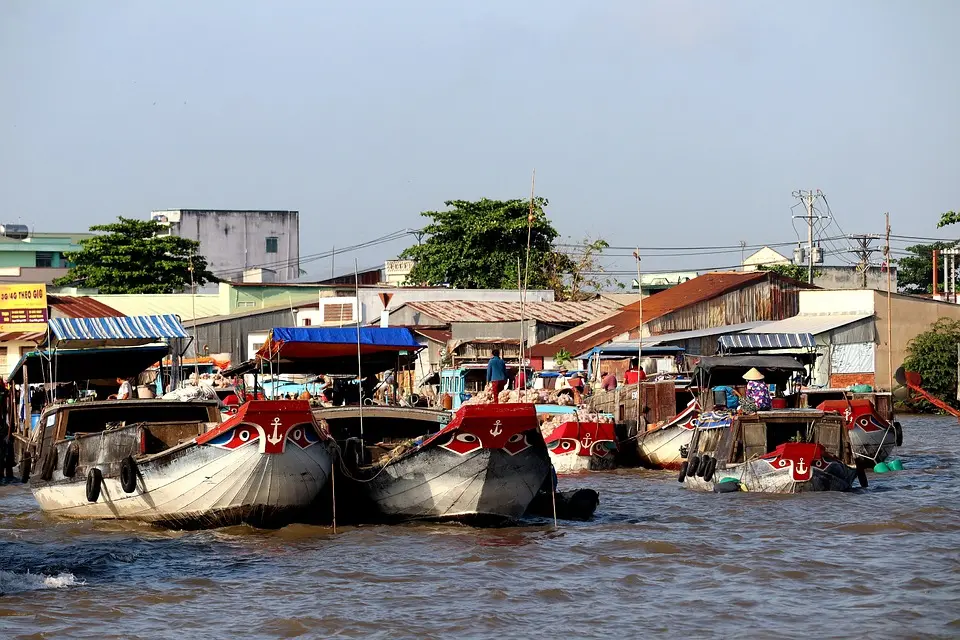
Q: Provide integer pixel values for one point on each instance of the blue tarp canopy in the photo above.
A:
(735, 342)
(78, 365)
(124, 331)
(334, 350)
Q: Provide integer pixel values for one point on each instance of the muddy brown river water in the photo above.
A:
(657, 561)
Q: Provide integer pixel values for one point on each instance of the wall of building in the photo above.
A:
(233, 241)
(769, 299)
(230, 334)
(911, 317)
(848, 277)
(31, 274)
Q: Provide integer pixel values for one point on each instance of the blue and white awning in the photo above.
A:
(763, 341)
(124, 331)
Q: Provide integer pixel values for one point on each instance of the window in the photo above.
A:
(246, 304)
(307, 322)
(338, 312)
(45, 258)
(272, 243)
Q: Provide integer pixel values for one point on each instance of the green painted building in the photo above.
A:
(27, 256)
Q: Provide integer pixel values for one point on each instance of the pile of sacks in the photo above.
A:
(549, 423)
(535, 396)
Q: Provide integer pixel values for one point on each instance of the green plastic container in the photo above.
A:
(881, 468)
(728, 479)
(895, 465)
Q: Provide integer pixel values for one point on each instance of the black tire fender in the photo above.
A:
(94, 480)
(128, 474)
(704, 463)
(683, 472)
(70, 460)
(49, 464)
(694, 466)
(711, 467)
(25, 464)
(899, 431)
(861, 474)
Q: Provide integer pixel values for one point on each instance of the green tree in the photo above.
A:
(131, 256)
(476, 245)
(933, 354)
(577, 274)
(915, 272)
(948, 218)
(789, 270)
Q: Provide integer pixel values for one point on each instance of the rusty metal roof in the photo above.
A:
(437, 335)
(604, 329)
(447, 311)
(81, 307)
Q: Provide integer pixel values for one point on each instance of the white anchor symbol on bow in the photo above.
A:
(801, 468)
(496, 429)
(587, 439)
(275, 437)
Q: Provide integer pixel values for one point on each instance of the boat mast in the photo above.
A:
(356, 289)
(526, 277)
(886, 253)
(636, 254)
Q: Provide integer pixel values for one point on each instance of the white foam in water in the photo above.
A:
(11, 582)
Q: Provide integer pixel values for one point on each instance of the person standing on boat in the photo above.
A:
(496, 375)
(635, 373)
(757, 390)
(125, 390)
(608, 381)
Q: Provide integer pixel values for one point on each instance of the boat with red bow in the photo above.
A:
(577, 445)
(770, 451)
(482, 464)
(665, 446)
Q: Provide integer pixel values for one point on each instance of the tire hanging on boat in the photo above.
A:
(70, 460)
(128, 474)
(702, 468)
(710, 468)
(94, 480)
(694, 466)
(25, 464)
(862, 475)
(49, 464)
(683, 472)
(899, 431)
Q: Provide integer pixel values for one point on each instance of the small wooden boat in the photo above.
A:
(175, 464)
(756, 452)
(771, 451)
(871, 436)
(665, 447)
(577, 446)
(484, 466)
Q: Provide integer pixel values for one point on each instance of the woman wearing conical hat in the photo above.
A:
(757, 389)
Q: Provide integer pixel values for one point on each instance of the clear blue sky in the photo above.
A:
(665, 122)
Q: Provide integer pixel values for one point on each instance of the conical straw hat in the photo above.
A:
(753, 374)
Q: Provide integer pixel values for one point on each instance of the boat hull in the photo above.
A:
(876, 445)
(484, 467)
(764, 477)
(661, 449)
(486, 486)
(570, 463)
(201, 487)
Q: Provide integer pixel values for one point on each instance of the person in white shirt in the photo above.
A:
(125, 391)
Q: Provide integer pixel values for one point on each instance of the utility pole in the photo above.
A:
(743, 246)
(808, 198)
(863, 250)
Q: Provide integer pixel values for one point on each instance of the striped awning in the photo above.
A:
(758, 341)
(125, 331)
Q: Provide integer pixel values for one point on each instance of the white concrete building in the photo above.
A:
(235, 241)
(764, 257)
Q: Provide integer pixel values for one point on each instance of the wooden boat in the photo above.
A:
(665, 447)
(484, 466)
(174, 464)
(871, 437)
(757, 452)
(577, 446)
(771, 451)
(874, 431)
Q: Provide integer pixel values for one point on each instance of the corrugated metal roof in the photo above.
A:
(811, 323)
(20, 336)
(180, 304)
(437, 335)
(701, 333)
(82, 307)
(448, 311)
(602, 330)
